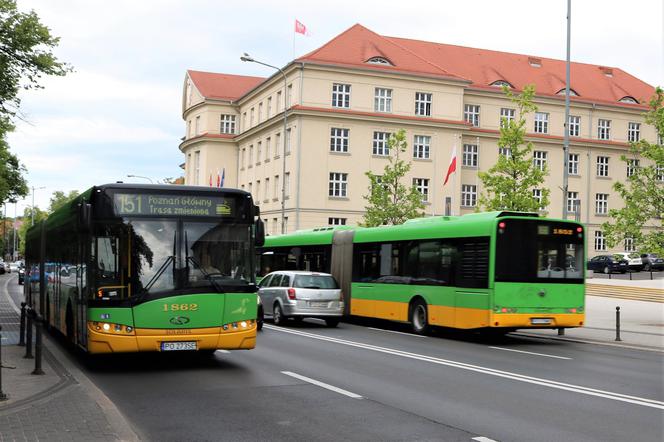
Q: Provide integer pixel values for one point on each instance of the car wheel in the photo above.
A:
(331, 323)
(419, 318)
(607, 270)
(278, 315)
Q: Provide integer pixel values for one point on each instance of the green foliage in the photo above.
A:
(39, 214)
(509, 184)
(390, 201)
(643, 193)
(59, 199)
(12, 183)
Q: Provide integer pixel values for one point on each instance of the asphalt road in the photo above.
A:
(358, 382)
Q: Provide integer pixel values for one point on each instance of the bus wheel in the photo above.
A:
(69, 323)
(278, 315)
(419, 318)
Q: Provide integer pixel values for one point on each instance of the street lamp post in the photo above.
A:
(248, 58)
(32, 210)
(138, 176)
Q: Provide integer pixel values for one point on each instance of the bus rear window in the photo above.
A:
(533, 250)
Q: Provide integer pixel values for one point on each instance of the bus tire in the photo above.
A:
(419, 317)
(278, 315)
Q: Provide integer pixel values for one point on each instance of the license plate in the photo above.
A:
(318, 304)
(177, 346)
(540, 321)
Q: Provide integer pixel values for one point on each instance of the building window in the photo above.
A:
(537, 195)
(287, 147)
(277, 142)
(338, 184)
(470, 155)
(423, 104)
(573, 164)
(250, 160)
(275, 226)
(603, 166)
(380, 146)
(251, 117)
(541, 123)
(260, 112)
(197, 167)
(468, 195)
(659, 172)
(383, 100)
(600, 242)
(276, 187)
(341, 95)
(471, 114)
(633, 132)
(278, 108)
(630, 246)
(574, 126)
(601, 203)
(258, 191)
(243, 157)
(266, 197)
(422, 186)
(227, 124)
(289, 95)
(287, 184)
(198, 124)
(604, 129)
(539, 159)
(259, 152)
(336, 221)
(244, 121)
(269, 108)
(338, 140)
(268, 148)
(572, 197)
(632, 165)
(505, 151)
(421, 147)
(506, 115)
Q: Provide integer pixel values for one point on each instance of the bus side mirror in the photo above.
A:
(85, 216)
(260, 233)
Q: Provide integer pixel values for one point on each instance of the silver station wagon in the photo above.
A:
(298, 294)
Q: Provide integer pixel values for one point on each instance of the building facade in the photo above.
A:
(344, 99)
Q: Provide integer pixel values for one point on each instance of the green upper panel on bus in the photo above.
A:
(310, 237)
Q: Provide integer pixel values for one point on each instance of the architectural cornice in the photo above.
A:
(217, 138)
(554, 139)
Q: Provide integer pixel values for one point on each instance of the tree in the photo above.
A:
(509, 184)
(59, 199)
(12, 183)
(39, 215)
(390, 201)
(643, 193)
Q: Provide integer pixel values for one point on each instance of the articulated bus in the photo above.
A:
(133, 268)
(492, 271)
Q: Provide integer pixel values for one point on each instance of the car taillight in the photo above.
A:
(291, 293)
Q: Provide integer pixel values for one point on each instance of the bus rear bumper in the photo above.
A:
(537, 320)
(146, 340)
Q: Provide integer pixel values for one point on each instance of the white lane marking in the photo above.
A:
(530, 353)
(223, 351)
(585, 341)
(483, 439)
(394, 331)
(485, 370)
(322, 384)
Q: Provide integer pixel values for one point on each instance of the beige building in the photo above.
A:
(345, 98)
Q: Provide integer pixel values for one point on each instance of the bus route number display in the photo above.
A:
(171, 205)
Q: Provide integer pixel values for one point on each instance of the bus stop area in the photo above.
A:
(64, 404)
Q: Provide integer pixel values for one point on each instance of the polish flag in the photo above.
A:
(223, 177)
(300, 28)
(452, 167)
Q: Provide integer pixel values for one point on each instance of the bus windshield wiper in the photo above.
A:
(169, 260)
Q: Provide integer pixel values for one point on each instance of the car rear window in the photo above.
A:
(315, 282)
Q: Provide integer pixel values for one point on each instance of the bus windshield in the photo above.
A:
(531, 251)
(172, 255)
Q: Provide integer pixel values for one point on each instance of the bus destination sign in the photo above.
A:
(172, 205)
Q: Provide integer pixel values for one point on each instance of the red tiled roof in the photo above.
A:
(223, 86)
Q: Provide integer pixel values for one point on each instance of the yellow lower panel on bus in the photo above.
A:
(458, 317)
(394, 311)
(150, 339)
(537, 320)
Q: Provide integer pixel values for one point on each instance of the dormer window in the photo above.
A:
(379, 60)
(501, 83)
(572, 92)
(628, 99)
(535, 62)
(606, 71)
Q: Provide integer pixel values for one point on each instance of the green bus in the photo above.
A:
(133, 268)
(497, 271)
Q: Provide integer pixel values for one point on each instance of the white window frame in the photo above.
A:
(422, 186)
(506, 151)
(338, 185)
(632, 166)
(629, 245)
(287, 185)
(287, 147)
(227, 124)
(571, 197)
(268, 148)
(573, 164)
(275, 196)
(633, 132)
(603, 129)
(601, 204)
(600, 241)
(197, 167)
(540, 159)
(471, 114)
(259, 152)
(334, 221)
(470, 157)
(423, 103)
(468, 195)
(541, 123)
(507, 114)
(574, 126)
(380, 146)
(421, 147)
(266, 195)
(268, 110)
(382, 100)
(537, 194)
(602, 166)
(341, 95)
(250, 159)
(339, 139)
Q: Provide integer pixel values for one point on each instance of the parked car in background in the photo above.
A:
(652, 261)
(298, 294)
(607, 264)
(634, 262)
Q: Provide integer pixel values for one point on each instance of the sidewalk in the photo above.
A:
(62, 404)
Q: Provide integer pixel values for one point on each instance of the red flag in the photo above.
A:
(300, 28)
(452, 167)
(218, 179)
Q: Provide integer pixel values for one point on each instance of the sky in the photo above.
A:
(120, 112)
